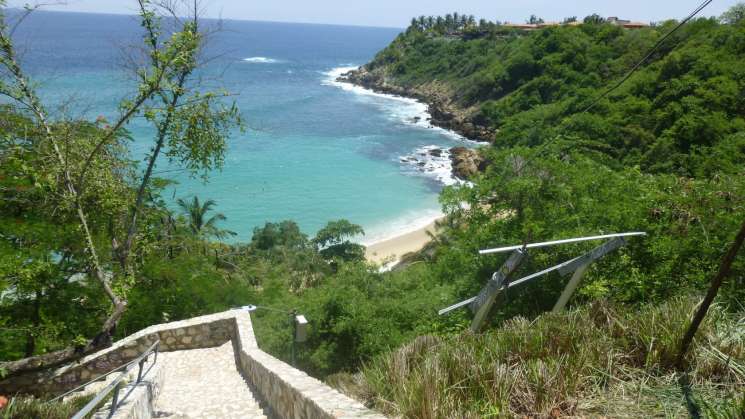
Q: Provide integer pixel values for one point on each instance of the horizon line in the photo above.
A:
(217, 18)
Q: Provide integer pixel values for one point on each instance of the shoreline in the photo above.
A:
(443, 113)
(390, 251)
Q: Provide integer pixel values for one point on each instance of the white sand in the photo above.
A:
(391, 250)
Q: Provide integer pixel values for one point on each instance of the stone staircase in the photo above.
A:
(207, 367)
(205, 383)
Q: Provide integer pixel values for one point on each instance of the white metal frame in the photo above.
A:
(481, 304)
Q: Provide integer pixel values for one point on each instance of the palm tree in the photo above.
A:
(196, 214)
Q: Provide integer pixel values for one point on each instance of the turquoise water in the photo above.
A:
(315, 150)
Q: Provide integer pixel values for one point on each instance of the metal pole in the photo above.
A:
(294, 327)
(570, 288)
(485, 300)
(139, 371)
(115, 399)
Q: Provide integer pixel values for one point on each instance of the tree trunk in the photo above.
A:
(716, 282)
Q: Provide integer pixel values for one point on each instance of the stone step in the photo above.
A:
(205, 383)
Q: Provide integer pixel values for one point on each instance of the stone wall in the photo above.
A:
(199, 332)
(288, 392)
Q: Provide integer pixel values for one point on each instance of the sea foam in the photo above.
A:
(260, 60)
(403, 109)
(433, 162)
(430, 161)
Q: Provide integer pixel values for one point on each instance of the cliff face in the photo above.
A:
(444, 111)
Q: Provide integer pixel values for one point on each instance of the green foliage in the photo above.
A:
(529, 86)
(734, 15)
(185, 286)
(689, 224)
(197, 221)
(355, 314)
(78, 220)
(29, 407)
(333, 242)
(580, 363)
(284, 234)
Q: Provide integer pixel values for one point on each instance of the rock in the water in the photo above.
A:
(466, 162)
(436, 152)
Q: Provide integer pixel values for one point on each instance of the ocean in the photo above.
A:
(315, 150)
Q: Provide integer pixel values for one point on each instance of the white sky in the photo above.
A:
(398, 13)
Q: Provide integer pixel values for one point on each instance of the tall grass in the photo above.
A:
(32, 408)
(597, 360)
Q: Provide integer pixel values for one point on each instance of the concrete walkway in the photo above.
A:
(205, 383)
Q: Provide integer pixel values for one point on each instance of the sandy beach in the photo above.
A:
(392, 249)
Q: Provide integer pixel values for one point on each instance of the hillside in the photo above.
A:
(513, 87)
(664, 153)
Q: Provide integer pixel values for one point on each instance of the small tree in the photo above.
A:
(594, 19)
(333, 241)
(191, 126)
(534, 20)
(734, 15)
(197, 221)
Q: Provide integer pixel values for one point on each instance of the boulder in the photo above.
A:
(436, 152)
(466, 162)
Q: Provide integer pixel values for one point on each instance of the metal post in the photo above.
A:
(570, 288)
(485, 300)
(115, 398)
(139, 371)
(294, 326)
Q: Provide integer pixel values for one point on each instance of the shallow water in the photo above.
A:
(316, 150)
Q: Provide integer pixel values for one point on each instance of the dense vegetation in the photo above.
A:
(599, 361)
(664, 154)
(682, 113)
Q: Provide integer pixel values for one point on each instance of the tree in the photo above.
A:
(534, 20)
(286, 234)
(332, 241)
(570, 19)
(191, 126)
(594, 19)
(734, 15)
(197, 221)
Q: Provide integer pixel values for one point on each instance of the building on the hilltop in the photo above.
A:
(614, 20)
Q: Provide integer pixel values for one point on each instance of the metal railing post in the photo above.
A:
(139, 371)
(115, 398)
(570, 288)
(115, 385)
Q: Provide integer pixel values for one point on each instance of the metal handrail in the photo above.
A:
(115, 385)
(555, 242)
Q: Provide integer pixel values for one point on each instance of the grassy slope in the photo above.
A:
(600, 360)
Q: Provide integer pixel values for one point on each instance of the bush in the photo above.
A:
(582, 362)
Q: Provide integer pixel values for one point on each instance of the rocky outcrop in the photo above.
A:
(466, 162)
(444, 112)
